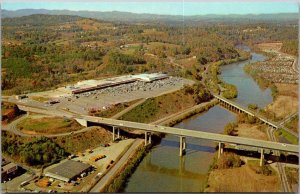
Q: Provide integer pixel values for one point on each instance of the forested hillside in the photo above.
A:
(40, 52)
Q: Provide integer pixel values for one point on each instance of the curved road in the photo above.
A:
(12, 127)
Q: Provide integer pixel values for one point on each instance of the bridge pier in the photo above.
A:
(118, 136)
(220, 150)
(148, 140)
(261, 162)
(146, 133)
(114, 133)
(182, 146)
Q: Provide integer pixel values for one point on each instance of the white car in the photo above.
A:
(283, 144)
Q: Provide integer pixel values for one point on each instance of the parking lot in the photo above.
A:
(102, 98)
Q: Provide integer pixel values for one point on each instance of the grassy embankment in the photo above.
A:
(286, 135)
(165, 105)
(48, 125)
(39, 98)
(293, 124)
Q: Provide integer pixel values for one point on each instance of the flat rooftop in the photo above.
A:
(87, 85)
(68, 169)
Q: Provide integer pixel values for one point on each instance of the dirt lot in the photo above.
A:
(286, 102)
(252, 131)
(112, 152)
(242, 179)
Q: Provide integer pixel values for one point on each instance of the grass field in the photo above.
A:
(50, 125)
(291, 138)
(159, 107)
(242, 179)
(115, 109)
(40, 98)
(293, 124)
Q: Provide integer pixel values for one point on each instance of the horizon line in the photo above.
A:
(256, 14)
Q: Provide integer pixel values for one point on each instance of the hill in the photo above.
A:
(117, 16)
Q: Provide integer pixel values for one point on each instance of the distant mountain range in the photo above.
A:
(116, 16)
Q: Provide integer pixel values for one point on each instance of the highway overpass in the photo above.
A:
(182, 133)
(84, 119)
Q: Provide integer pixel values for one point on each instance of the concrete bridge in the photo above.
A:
(181, 133)
(232, 105)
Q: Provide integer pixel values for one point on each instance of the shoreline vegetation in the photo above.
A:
(228, 91)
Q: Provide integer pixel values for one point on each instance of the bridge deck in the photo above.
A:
(170, 130)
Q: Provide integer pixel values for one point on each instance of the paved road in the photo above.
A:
(282, 175)
(288, 118)
(118, 166)
(12, 127)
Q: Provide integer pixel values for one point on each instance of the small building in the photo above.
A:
(68, 170)
(8, 171)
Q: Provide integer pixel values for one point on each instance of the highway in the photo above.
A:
(168, 130)
(280, 166)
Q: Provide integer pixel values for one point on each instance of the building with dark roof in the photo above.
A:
(68, 170)
(8, 171)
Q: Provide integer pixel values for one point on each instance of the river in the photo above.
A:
(162, 170)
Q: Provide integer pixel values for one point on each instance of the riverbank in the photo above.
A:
(118, 182)
(247, 177)
(242, 179)
(286, 101)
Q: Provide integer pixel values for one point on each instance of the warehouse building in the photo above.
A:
(8, 170)
(89, 85)
(68, 170)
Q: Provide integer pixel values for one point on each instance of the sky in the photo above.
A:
(164, 8)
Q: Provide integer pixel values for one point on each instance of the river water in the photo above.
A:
(162, 170)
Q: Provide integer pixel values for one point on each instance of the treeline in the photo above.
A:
(34, 152)
(39, 20)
